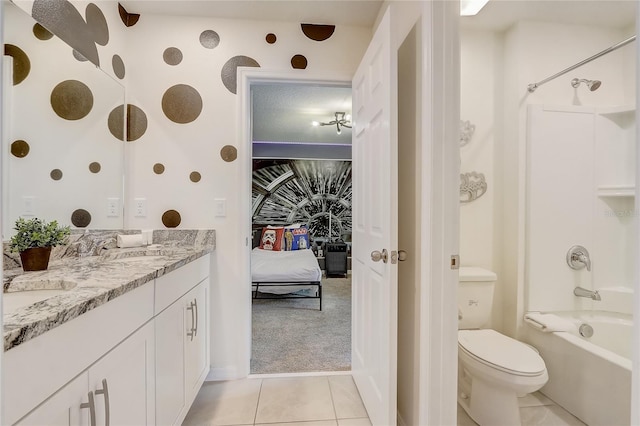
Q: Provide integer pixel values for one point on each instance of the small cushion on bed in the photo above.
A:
(296, 238)
(271, 239)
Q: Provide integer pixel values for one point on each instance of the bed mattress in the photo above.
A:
(284, 266)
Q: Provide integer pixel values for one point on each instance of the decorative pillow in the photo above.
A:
(271, 239)
(296, 238)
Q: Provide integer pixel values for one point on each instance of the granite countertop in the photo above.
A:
(75, 285)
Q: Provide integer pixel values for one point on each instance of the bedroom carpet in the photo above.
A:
(292, 335)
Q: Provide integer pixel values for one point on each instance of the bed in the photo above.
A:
(285, 275)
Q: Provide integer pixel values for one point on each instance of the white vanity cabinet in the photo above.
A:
(138, 359)
(114, 390)
(182, 341)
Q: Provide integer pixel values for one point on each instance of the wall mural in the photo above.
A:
(313, 192)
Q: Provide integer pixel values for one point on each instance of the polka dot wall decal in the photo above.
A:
(172, 56)
(271, 38)
(209, 39)
(128, 19)
(299, 62)
(181, 103)
(79, 56)
(136, 123)
(21, 63)
(56, 174)
(158, 168)
(118, 66)
(229, 153)
(41, 32)
(228, 73)
(62, 18)
(20, 148)
(81, 218)
(171, 219)
(195, 177)
(318, 32)
(95, 167)
(97, 23)
(71, 100)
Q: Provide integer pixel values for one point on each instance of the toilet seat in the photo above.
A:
(501, 352)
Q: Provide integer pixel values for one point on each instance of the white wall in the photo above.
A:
(480, 95)
(195, 146)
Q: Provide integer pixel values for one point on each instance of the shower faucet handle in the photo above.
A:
(578, 258)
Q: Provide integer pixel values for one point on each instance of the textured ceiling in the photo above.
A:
(284, 112)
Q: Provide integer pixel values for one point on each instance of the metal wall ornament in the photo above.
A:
(466, 132)
(472, 186)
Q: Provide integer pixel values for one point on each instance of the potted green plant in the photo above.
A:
(34, 239)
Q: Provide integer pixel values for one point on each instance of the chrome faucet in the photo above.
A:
(578, 258)
(583, 292)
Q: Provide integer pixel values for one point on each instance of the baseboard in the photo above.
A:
(304, 374)
(224, 373)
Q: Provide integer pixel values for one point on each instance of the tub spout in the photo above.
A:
(583, 292)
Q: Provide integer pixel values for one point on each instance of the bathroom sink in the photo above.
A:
(19, 299)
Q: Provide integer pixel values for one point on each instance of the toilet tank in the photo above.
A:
(475, 296)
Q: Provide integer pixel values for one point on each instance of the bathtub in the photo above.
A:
(589, 377)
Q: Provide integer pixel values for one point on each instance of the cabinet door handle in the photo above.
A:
(91, 405)
(105, 391)
(195, 304)
(192, 332)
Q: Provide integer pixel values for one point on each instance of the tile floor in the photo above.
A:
(322, 401)
(292, 401)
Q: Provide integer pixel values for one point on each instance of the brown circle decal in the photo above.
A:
(318, 32)
(181, 103)
(172, 56)
(21, 63)
(271, 38)
(299, 62)
(158, 168)
(79, 56)
(118, 66)
(171, 219)
(136, 122)
(56, 174)
(195, 177)
(41, 32)
(71, 100)
(97, 24)
(229, 153)
(228, 73)
(20, 148)
(209, 39)
(81, 218)
(95, 167)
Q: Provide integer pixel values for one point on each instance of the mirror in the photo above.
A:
(62, 159)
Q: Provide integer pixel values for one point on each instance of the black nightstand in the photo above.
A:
(336, 259)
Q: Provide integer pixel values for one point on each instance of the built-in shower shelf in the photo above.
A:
(616, 191)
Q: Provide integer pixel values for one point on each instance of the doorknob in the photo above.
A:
(376, 256)
(402, 255)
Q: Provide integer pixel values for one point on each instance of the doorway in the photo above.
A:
(301, 184)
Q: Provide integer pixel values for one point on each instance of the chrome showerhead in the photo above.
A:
(592, 85)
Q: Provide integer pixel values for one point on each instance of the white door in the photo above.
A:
(374, 283)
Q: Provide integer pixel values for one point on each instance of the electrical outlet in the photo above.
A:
(140, 207)
(113, 207)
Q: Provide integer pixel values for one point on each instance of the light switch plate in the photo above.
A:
(220, 207)
(28, 205)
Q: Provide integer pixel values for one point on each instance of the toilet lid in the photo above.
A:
(501, 352)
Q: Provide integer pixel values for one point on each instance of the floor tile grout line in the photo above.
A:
(255, 415)
(333, 403)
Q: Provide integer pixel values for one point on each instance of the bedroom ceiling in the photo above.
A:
(283, 113)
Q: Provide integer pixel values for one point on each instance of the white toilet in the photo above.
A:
(493, 369)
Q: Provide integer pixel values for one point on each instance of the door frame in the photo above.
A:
(248, 76)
